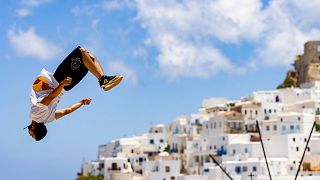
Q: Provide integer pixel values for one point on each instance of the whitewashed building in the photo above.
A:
(227, 130)
(164, 167)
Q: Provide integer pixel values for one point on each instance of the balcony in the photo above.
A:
(114, 169)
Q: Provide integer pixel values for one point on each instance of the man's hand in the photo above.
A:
(62, 112)
(67, 81)
(86, 101)
(47, 100)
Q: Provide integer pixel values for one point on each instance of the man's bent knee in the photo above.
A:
(82, 49)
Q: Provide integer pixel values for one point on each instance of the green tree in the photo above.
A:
(167, 149)
(289, 82)
(91, 177)
(318, 127)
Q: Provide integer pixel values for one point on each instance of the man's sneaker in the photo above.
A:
(108, 82)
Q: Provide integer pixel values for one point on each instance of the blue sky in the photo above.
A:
(172, 53)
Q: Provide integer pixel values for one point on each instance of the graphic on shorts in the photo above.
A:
(76, 63)
(41, 84)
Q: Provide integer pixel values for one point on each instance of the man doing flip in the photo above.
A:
(48, 88)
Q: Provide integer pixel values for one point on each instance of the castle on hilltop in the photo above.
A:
(306, 66)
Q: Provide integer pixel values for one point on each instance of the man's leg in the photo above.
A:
(92, 64)
(72, 66)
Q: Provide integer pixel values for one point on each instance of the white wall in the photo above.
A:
(155, 170)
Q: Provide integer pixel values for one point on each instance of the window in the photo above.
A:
(234, 151)
(172, 178)
(283, 128)
(281, 119)
(291, 127)
(245, 112)
(151, 141)
(196, 159)
(254, 168)
(294, 139)
(114, 166)
(265, 111)
(161, 141)
(246, 150)
(244, 169)
(214, 124)
(299, 118)
(238, 169)
(297, 148)
(256, 112)
(274, 127)
(167, 168)
(308, 149)
(268, 128)
(132, 151)
(270, 111)
(298, 127)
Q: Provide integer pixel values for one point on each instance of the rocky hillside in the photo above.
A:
(290, 80)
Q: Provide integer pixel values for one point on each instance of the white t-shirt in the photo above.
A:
(43, 85)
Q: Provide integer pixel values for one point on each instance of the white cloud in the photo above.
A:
(183, 32)
(140, 52)
(227, 21)
(28, 6)
(94, 23)
(287, 31)
(76, 10)
(111, 5)
(181, 58)
(29, 43)
(35, 3)
(119, 67)
(23, 12)
(186, 33)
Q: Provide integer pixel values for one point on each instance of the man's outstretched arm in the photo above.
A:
(62, 112)
(47, 100)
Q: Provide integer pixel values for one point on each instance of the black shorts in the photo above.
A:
(72, 66)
